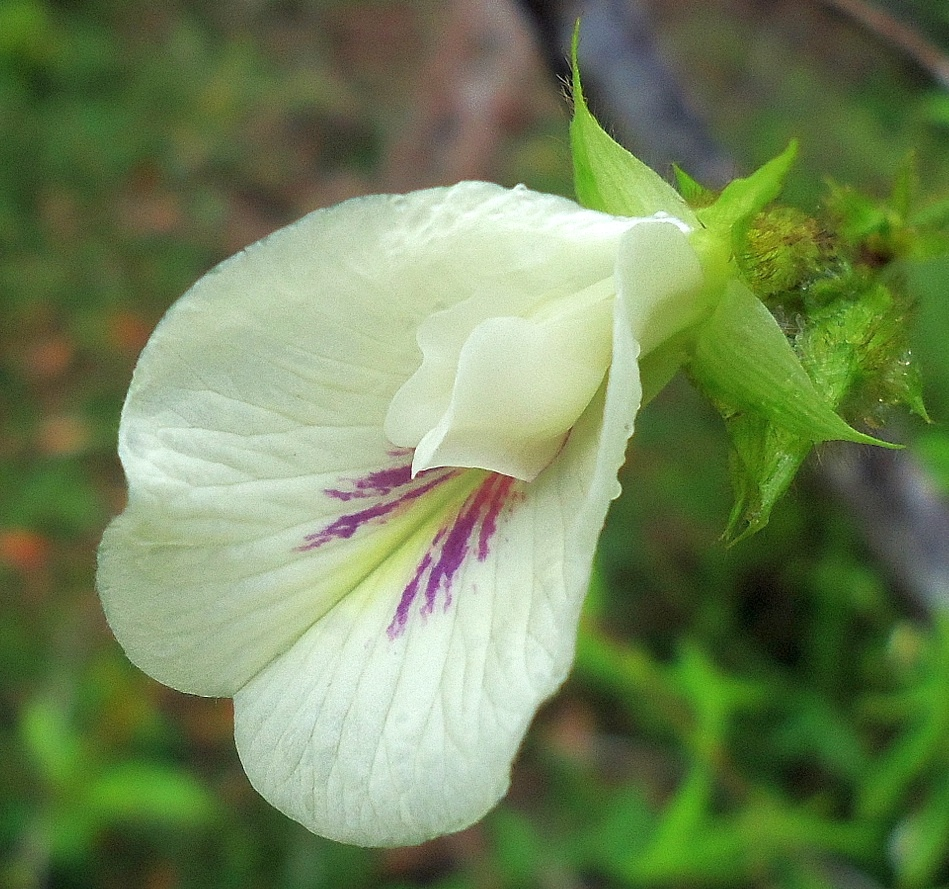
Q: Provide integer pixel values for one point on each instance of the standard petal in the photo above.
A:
(396, 717)
(254, 422)
(659, 276)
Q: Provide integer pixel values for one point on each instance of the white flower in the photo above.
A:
(368, 461)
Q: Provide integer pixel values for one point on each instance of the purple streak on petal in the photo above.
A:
(475, 522)
(376, 484)
(395, 489)
(398, 622)
(489, 524)
(455, 548)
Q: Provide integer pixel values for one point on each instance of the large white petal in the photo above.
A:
(255, 417)
(394, 719)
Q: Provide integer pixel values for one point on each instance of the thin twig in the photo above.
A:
(899, 34)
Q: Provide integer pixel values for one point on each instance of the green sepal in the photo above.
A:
(658, 367)
(606, 176)
(741, 199)
(763, 461)
(884, 230)
(857, 217)
(695, 194)
(774, 412)
(933, 216)
(743, 360)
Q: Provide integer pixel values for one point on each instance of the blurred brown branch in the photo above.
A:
(899, 34)
(471, 93)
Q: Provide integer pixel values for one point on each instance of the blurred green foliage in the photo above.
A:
(769, 715)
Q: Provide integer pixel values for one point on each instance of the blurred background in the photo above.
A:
(770, 715)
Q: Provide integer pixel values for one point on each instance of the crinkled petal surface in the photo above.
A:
(387, 639)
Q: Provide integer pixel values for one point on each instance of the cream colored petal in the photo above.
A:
(396, 717)
(254, 422)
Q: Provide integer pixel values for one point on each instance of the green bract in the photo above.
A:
(606, 176)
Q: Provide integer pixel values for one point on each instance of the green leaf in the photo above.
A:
(741, 199)
(921, 846)
(606, 176)
(53, 745)
(519, 851)
(619, 831)
(905, 187)
(920, 748)
(146, 792)
(931, 448)
(934, 215)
